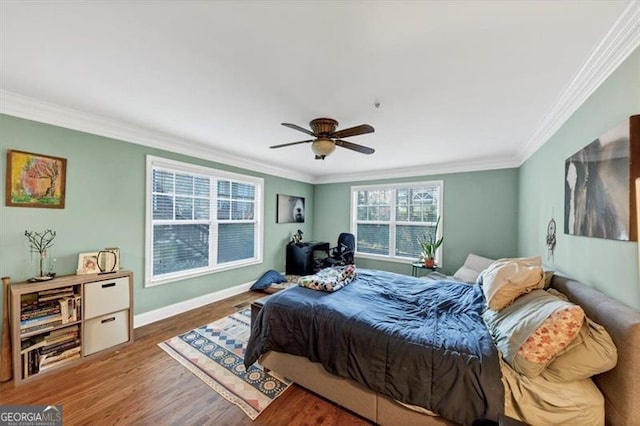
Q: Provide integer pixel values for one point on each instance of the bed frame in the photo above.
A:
(620, 386)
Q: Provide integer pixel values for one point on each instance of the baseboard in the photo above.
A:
(187, 305)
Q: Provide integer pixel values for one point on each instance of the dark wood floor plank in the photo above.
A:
(141, 384)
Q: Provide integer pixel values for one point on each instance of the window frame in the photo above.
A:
(353, 226)
(214, 175)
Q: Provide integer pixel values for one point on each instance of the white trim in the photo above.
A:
(187, 305)
(45, 112)
(399, 185)
(425, 170)
(621, 40)
(392, 220)
(209, 172)
(370, 256)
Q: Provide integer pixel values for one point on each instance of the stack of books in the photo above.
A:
(47, 309)
(47, 350)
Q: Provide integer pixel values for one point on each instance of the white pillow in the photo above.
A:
(466, 274)
(472, 268)
(507, 279)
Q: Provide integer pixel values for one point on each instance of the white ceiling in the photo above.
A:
(462, 84)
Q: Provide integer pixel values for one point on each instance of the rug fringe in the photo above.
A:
(221, 390)
(251, 411)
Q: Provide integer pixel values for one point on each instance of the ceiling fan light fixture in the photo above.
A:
(323, 147)
(327, 137)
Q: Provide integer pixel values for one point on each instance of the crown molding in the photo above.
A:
(45, 112)
(423, 170)
(619, 42)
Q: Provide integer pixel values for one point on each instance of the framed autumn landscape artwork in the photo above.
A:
(35, 180)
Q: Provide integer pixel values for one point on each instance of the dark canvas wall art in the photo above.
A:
(599, 193)
(289, 209)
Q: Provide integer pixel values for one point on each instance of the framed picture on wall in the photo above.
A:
(290, 209)
(600, 200)
(35, 180)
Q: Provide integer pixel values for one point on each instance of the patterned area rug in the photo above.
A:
(215, 354)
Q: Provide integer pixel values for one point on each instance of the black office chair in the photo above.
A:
(344, 252)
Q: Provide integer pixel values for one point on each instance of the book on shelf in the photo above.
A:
(55, 297)
(49, 360)
(40, 320)
(70, 308)
(63, 338)
(62, 331)
(59, 347)
(41, 327)
(52, 337)
(26, 314)
(62, 310)
(45, 351)
(60, 362)
(45, 342)
(55, 291)
(32, 343)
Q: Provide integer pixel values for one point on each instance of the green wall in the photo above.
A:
(497, 213)
(610, 266)
(105, 207)
(480, 215)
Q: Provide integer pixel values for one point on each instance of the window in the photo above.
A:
(388, 220)
(200, 220)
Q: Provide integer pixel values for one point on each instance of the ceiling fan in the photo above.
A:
(327, 138)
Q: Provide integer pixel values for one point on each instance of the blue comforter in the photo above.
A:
(419, 342)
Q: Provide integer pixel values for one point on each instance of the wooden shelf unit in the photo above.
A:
(103, 321)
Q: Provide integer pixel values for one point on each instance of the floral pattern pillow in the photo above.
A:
(553, 336)
(532, 331)
(329, 279)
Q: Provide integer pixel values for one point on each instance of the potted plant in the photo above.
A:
(429, 245)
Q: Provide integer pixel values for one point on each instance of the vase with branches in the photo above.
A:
(430, 244)
(39, 242)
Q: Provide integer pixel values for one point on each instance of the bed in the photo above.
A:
(356, 392)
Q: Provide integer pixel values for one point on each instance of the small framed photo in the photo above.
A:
(88, 263)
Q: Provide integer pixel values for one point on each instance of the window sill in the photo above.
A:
(370, 256)
(171, 279)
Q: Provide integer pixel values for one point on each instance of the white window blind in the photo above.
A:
(388, 220)
(200, 220)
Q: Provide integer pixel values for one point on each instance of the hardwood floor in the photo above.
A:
(142, 385)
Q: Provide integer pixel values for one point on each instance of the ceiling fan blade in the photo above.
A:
(355, 147)
(290, 143)
(298, 128)
(362, 129)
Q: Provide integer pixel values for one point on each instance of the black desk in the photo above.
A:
(305, 258)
